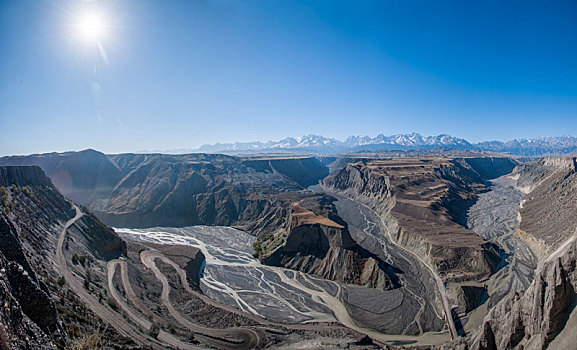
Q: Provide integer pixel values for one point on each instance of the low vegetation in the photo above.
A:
(154, 330)
(112, 303)
(89, 341)
(267, 243)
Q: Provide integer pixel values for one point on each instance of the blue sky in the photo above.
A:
(178, 74)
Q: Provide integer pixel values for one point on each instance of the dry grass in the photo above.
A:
(90, 341)
(302, 216)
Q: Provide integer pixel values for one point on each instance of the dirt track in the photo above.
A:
(106, 314)
(235, 338)
(140, 320)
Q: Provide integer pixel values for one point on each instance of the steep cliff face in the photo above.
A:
(531, 174)
(32, 214)
(190, 259)
(318, 242)
(549, 206)
(422, 203)
(534, 318)
(29, 316)
(490, 167)
(358, 181)
(31, 293)
(22, 176)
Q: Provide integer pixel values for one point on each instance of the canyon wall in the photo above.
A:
(422, 203)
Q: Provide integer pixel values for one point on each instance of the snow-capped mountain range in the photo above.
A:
(557, 145)
(318, 144)
(325, 144)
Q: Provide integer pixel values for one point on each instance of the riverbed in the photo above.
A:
(495, 218)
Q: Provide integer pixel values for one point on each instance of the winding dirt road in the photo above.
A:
(107, 315)
(237, 338)
(221, 339)
(144, 323)
(232, 338)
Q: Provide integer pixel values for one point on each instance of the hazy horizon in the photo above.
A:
(157, 75)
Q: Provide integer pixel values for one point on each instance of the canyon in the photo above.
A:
(279, 251)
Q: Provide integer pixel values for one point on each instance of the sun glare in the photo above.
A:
(91, 26)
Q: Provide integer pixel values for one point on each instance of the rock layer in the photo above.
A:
(318, 245)
(423, 202)
(548, 211)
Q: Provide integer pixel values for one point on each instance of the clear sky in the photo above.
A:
(159, 74)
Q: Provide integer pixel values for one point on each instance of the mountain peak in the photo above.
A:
(312, 143)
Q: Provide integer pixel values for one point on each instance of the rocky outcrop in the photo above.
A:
(31, 293)
(22, 176)
(468, 297)
(534, 318)
(359, 182)
(189, 258)
(101, 241)
(17, 330)
(318, 245)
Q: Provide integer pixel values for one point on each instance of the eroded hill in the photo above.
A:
(423, 202)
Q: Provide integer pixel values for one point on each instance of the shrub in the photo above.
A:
(61, 281)
(112, 303)
(78, 259)
(89, 341)
(154, 330)
(171, 328)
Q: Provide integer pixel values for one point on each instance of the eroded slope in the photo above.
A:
(423, 201)
(542, 315)
(32, 213)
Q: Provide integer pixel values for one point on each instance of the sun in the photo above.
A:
(91, 26)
